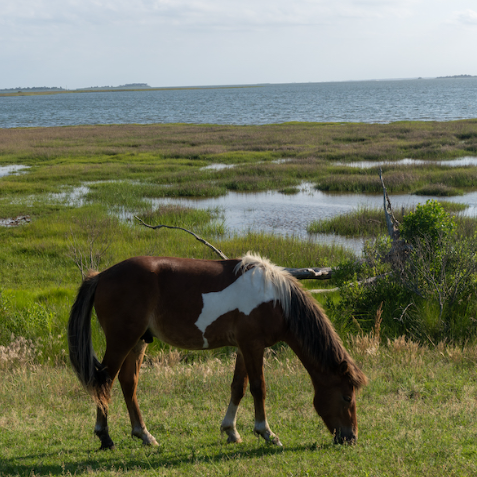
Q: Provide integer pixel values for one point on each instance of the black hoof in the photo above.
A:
(106, 441)
(108, 446)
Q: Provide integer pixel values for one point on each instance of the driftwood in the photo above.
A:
(324, 273)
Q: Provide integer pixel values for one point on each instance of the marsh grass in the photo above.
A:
(419, 180)
(175, 156)
(415, 418)
(217, 143)
(439, 190)
(370, 222)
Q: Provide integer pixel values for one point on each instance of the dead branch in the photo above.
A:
(324, 273)
(154, 227)
(391, 221)
(88, 254)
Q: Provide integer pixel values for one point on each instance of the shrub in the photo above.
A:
(429, 294)
(429, 222)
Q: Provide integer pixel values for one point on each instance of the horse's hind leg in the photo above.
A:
(113, 361)
(111, 364)
(238, 388)
(128, 377)
(253, 357)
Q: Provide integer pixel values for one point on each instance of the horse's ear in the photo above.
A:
(344, 368)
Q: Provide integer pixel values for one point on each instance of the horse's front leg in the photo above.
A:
(238, 388)
(253, 358)
(128, 377)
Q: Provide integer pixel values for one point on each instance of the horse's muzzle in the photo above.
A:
(349, 438)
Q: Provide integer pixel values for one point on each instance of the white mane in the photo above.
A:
(271, 273)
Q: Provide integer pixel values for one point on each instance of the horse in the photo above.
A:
(248, 303)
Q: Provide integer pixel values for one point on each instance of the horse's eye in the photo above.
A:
(347, 398)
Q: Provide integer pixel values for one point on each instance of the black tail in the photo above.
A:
(82, 356)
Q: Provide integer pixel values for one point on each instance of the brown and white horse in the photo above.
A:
(202, 304)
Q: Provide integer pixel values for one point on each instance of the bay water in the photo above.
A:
(353, 101)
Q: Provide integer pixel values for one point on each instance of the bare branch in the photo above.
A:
(88, 256)
(154, 227)
(391, 221)
(299, 273)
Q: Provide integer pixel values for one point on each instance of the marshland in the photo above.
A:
(81, 187)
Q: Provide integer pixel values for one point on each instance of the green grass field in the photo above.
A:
(418, 414)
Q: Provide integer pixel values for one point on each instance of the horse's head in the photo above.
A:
(335, 402)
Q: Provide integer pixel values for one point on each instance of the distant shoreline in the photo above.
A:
(144, 87)
(456, 77)
(25, 92)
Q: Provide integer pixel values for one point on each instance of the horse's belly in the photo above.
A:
(188, 335)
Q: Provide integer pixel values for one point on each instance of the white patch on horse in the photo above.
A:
(262, 427)
(230, 418)
(245, 294)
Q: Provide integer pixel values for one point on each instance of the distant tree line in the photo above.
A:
(456, 76)
(123, 86)
(35, 88)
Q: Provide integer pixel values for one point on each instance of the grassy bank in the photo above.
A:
(368, 222)
(234, 144)
(416, 417)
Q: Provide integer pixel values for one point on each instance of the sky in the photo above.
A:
(81, 43)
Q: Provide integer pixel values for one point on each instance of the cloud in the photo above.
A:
(218, 14)
(466, 17)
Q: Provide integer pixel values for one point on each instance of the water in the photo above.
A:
(7, 170)
(361, 101)
(279, 214)
(461, 162)
(275, 213)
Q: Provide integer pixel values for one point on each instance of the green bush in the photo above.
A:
(428, 292)
(429, 221)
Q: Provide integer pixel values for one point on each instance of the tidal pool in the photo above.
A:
(276, 213)
(287, 215)
(462, 161)
(7, 170)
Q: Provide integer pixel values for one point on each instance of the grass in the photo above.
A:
(175, 154)
(416, 418)
(414, 179)
(368, 222)
(237, 144)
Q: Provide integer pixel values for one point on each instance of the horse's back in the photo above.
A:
(165, 296)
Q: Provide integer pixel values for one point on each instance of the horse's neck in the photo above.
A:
(316, 372)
